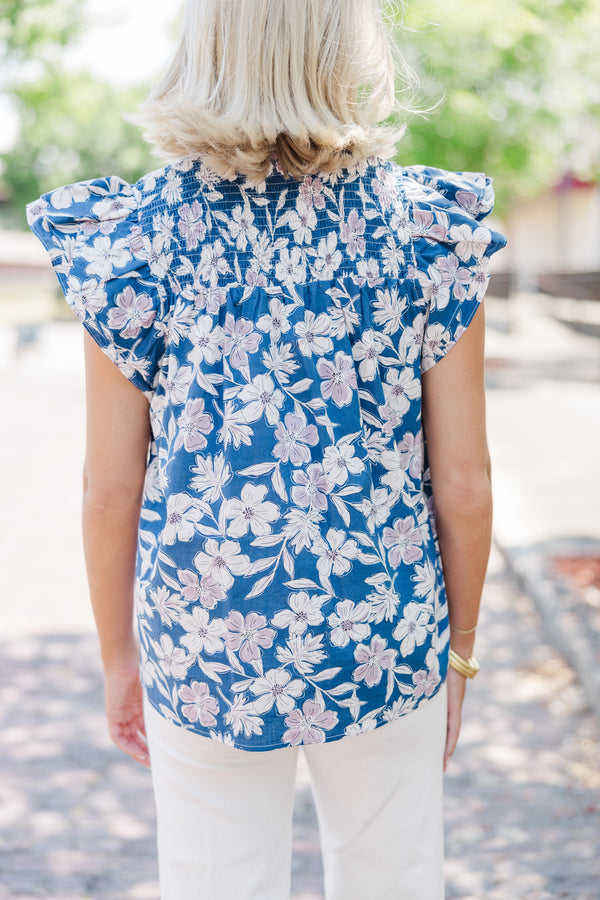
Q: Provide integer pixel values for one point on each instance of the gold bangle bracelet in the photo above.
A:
(463, 630)
(467, 667)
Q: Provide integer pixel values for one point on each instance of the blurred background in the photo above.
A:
(513, 90)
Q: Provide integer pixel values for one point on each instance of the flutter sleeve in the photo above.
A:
(451, 251)
(100, 255)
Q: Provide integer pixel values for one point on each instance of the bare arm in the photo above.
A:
(454, 425)
(117, 437)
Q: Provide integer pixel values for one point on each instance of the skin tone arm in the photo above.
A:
(454, 425)
(117, 438)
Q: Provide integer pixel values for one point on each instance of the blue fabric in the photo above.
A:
(289, 587)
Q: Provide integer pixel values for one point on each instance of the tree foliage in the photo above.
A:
(517, 85)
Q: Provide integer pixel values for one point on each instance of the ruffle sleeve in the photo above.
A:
(102, 259)
(451, 251)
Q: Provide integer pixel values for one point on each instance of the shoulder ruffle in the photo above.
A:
(451, 250)
(103, 261)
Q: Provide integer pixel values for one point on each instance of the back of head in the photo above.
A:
(309, 80)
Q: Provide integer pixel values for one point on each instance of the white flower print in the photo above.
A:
(70, 193)
(182, 515)
(261, 397)
(294, 437)
(178, 381)
(250, 512)
(368, 270)
(221, 561)
(276, 322)
(198, 705)
(328, 258)
(303, 611)
(131, 313)
(113, 206)
(211, 475)
(470, 242)
(340, 461)
(290, 268)
(313, 334)
(213, 263)
(203, 634)
(103, 256)
(349, 623)
(400, 388)
(335, 553)
(302, 221)
(373, 660)
(367, 352)
(338, 378)
(376, 507)
(87, 297)
(276, 687)
(411, 630)
(411, 340)
(206, 338)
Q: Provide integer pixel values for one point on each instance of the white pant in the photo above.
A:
(225, 815)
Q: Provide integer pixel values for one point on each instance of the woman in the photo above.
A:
(282, 299)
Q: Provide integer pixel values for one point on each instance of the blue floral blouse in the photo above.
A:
(289, 588)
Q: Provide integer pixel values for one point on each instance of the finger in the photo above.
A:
(132, 746)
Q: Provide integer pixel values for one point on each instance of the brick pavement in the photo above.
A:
(76, 817)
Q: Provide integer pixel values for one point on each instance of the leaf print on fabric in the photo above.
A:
(288, 582)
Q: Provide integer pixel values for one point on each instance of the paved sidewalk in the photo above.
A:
(76, 816)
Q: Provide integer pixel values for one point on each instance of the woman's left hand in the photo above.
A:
(124, 710)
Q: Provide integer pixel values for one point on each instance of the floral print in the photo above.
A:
(289, 587)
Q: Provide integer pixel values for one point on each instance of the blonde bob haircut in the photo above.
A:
(308, 80)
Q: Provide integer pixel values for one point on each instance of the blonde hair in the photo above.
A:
(308, 80)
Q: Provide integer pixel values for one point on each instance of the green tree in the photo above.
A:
(72, 129)
(518, 89)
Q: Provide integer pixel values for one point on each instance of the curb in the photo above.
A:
(559, 609)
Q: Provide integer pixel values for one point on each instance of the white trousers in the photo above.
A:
(224, 816)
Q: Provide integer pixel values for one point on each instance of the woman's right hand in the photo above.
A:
(124, 710)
